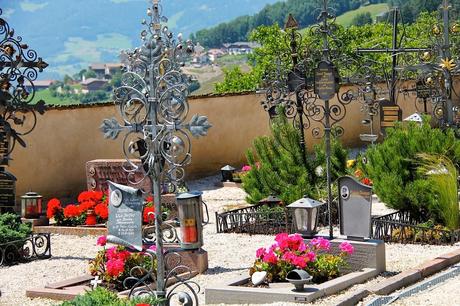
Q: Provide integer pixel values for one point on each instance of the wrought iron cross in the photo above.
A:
(395, 50)
(19, 68)
(153, 105)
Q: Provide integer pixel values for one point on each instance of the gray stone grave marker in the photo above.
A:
(355, 201)
(125, 216)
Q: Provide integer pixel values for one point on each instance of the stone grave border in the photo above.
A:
(196, 260)
(367, 262)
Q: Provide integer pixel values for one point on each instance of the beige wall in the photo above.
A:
(53, 164)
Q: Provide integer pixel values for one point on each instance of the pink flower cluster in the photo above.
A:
(288, 248)
(246, 168)
(116, 260)
(292, 249)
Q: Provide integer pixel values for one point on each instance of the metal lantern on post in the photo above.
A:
(190, 210)
(227, 173)
(305, 215)
(31, 205)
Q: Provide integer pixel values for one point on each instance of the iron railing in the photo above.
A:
(400, 227)
(36, 246)
(252, 220)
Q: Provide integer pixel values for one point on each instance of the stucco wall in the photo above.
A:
(53, 164)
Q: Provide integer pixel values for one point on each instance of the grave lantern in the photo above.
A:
(271, 201)
(191, 219)
(305, 215)
(31, 204)
(227, 173)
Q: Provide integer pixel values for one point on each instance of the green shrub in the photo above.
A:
(11, 228)
(442, 175)
(277, 166)
(103, 297)
(392, 166)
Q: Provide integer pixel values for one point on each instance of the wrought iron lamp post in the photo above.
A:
(153, 104)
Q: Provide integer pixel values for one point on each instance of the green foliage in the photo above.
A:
(326, 267)
(411, 9)
(11, 228)
(305, 11)
(103, 297)
(392, 166)
(362, 19)
(236, 81)
(272, 44)
(442, 176)
(277, 166)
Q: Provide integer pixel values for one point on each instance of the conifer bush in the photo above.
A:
(277, 166)
(392, 166)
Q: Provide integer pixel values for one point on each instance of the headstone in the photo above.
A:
(423, 90)
(100, 171)
(326, 80)
(390, 113)
(7, 190)
(355, 202)
(125, 216)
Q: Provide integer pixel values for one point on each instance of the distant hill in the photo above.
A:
(70, 34)
(305, 12)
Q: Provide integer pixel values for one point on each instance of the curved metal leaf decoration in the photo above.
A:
(111, 128)
(198, 126)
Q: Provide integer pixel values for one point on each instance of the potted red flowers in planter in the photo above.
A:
(92, 209)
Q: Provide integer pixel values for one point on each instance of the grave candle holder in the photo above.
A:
(31, 205)
(190, 217)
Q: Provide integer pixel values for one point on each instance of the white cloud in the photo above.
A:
(29, 6)
(7, 12)
(206, 8)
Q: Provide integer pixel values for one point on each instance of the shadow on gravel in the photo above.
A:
(69, 258)
(218, 269)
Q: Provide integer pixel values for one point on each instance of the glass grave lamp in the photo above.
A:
(305, 215)
(191, 219)
(227, 173)
(31, 205)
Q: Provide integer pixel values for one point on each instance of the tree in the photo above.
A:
(392, 166)
(90, 74)
(68, 79)
(362, 19)
(277, 166)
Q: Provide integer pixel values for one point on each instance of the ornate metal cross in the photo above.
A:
(19, 68)
(153, 105)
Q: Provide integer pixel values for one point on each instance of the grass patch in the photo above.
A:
(374, 9)
(230, 60)
(46, 96)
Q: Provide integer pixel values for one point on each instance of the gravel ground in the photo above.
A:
(230, 255)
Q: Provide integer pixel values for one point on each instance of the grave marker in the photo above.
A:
(326, 80)
(125, 216)
(390, 113)
(355, 201)
(7, 190)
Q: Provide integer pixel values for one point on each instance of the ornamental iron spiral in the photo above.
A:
(153, 105)
(19, 68)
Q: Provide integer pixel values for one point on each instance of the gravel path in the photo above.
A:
(230, 255)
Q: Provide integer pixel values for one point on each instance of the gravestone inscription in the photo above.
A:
(7, 188)
(355, 201)
(125, 216)
(326, 80)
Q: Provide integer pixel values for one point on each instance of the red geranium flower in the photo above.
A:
(71, 211)
(366, 181)
(102, 211)
(54, 206)
(149, 214)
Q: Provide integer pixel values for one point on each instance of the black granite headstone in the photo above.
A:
(7, 188)
(355, 201)
(125, 216)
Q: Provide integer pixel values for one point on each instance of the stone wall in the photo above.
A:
(65, 138)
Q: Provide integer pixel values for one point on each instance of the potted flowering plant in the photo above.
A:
(114, 264)
(290, 252)
(92, 208)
